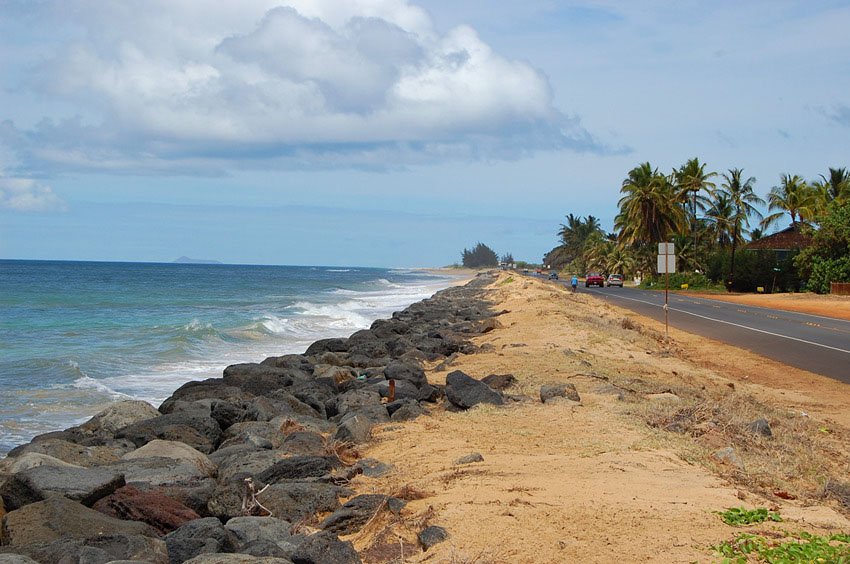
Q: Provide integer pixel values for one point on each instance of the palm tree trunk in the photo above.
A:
(694, 228)
(732, 265)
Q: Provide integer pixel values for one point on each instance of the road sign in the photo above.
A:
(666, 249)
(666, 264)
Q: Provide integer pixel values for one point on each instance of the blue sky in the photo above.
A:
(390, 133)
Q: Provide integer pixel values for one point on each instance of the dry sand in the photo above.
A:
(593, 481)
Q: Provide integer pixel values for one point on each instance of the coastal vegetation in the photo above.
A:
(480, 256)
(710, 217)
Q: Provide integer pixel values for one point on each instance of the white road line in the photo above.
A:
(739, 325)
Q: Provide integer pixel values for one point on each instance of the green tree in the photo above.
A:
(693, 184)
(827, 259)
(743, 201)
(573, 236)
(794, 197)
(481, 256)
(649, 211)
(836, 184)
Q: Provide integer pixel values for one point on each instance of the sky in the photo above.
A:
(385, 132)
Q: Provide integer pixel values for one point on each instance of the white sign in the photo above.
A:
(666, 263)
(666, 249)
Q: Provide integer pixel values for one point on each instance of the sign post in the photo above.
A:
(666, 265)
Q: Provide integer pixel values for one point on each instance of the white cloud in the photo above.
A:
(259, 81)
(23, 194)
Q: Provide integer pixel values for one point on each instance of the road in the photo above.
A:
(811, 342)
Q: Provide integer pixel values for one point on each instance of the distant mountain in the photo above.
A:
(187, 260)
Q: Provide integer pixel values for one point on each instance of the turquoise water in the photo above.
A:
(75, 336)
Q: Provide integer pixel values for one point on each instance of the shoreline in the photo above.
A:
(290, 423)
(105, 343)
(430, 462)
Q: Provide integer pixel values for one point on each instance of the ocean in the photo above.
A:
(75, 336)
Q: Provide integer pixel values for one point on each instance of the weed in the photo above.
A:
(507, 280)
(804, 547)
(738, 516)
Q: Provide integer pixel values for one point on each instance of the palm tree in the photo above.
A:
(691, 179)
(620, 260)
(720, 218)
(794, 197)
(742, 200)
(574, 234)
(834, 186)
(838, 184)
(649, 211)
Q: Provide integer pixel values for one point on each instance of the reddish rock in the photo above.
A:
(161, 512)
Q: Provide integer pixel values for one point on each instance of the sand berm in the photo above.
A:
(505, 420)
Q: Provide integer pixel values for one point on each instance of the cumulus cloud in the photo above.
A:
(198, 84)
(23, 194)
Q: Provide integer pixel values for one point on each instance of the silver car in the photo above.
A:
(615, 280)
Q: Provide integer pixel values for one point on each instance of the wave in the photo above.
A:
(340, 270)
(88, 383)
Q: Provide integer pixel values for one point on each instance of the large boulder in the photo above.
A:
(292, 407)
(98, 550)
(324, 547)
(176, 451)
(253, 437)
(406, 372)
(85, 485)
(202, 536)
(327, 345)
(237, 559)
(464, 391)
(199, 431)
(353, 400)
(299, 467)
(73, 453)
(258, 379)
(147, 473)
(58, 517)
(211, 388)
(12, 558)
(228, 413)
(295, 501)
(29, 460)
(291, 361)
(248, 464)
(354, 514)
(248, 530)
(304, 442)
(354, 429)
(163, 513)
(117, 416)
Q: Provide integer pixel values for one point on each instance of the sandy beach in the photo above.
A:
(629, 473)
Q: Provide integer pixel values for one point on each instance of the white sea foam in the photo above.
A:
(88, 383)
(196, 325)
(274, 324)
(274, 328)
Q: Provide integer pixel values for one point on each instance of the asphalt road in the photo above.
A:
(811, 342)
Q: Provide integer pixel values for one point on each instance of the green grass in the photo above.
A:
(738, 516)
(802, 548)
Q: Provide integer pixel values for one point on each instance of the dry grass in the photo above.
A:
(800, 458)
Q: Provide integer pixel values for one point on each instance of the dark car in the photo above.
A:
(594, 279)
(615, 280)
(553, 275)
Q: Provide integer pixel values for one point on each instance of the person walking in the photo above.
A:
(574, 282)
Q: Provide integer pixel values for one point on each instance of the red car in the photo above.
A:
(594, 279)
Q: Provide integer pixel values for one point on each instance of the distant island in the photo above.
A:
(187, 260)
